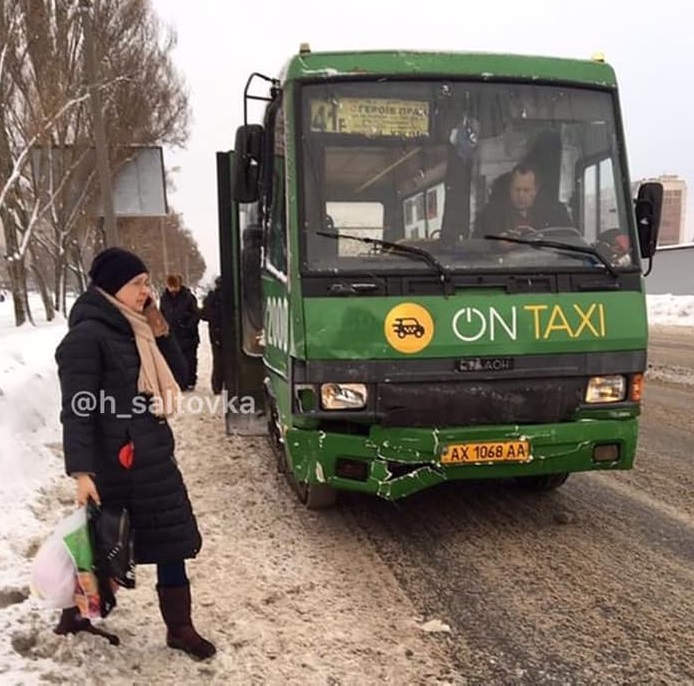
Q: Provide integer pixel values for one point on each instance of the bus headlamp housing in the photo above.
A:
(606, 389)
(343, 396)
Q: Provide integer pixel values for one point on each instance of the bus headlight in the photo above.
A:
(343, 396)
(606, 389)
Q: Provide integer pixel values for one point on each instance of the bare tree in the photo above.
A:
(24, 122)
(48, 201)
(166, 247)
(33, 109)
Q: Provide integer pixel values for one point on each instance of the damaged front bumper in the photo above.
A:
(395, 462)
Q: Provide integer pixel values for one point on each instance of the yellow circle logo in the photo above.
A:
(409, 328)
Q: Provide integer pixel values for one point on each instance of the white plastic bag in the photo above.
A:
(53, 571)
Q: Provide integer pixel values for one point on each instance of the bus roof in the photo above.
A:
(322, 65)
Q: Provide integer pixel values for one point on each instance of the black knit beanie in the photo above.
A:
(114, 267)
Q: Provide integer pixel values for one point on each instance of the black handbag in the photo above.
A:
(112, 548)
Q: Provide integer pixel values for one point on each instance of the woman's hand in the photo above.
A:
(155, 318)
(86, 489)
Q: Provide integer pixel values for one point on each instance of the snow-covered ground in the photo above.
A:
(29, 402)
(671, 310)
(34, 495)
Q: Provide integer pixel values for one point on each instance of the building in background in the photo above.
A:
(673, 221)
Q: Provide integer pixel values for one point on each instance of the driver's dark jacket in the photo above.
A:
(496, 219)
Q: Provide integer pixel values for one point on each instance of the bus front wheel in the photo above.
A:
(316, 496)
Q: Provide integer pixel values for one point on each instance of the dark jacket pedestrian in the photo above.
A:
(212, 314)
(180, 309)
(119, 354)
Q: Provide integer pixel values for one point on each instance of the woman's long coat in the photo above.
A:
(98, 364)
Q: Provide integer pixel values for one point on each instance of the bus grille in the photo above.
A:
(503, 401)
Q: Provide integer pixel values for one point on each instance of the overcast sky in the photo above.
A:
(220, 43)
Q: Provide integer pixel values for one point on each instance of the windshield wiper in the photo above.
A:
(403, 248)
(570, 247)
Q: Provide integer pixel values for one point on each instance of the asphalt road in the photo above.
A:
(590, 584)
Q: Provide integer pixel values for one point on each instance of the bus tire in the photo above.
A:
(542, 482)
(316, 496)
(276, 442)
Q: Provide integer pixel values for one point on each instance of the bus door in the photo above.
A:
(240, 242)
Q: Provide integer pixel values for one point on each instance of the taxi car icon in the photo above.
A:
(407, 326)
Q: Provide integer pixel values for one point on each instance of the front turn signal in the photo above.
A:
(636, 388)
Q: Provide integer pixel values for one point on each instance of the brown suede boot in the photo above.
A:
(174, 603)
(72, 622)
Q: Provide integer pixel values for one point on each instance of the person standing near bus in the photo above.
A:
(180, 309)
(119, 356)
(212, 314)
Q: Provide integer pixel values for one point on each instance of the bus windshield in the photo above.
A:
(452, 167)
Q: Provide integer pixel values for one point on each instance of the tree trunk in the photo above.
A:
(45, 292)
(59, 270)
(16, 273)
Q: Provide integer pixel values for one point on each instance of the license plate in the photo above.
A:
(488, 451)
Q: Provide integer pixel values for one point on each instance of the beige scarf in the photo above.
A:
(155, 377)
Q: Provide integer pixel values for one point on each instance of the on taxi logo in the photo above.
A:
(409, 328)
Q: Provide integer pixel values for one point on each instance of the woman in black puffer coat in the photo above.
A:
(120, 360)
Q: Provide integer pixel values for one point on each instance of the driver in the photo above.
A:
(520, 211)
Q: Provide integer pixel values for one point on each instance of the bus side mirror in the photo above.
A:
(649, 203)
(247, 162)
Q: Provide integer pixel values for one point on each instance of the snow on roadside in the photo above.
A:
(29, 408)
(671, 310)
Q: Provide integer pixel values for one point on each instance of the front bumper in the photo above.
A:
(402, 461)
